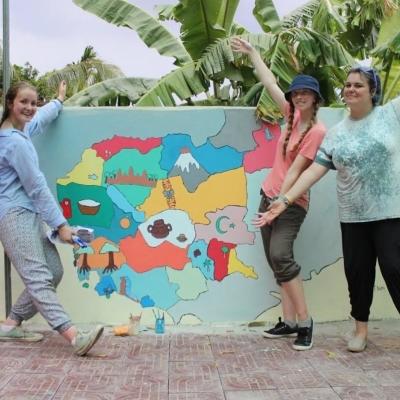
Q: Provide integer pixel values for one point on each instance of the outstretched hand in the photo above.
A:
(65, 234)
(62, 90)
(241, 46)
(275, 209)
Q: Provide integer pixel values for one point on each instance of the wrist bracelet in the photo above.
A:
(61, 101)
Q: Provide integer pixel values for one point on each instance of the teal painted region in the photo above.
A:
(134, 194)
(115, 232)
(138, 162)
(154, 284)
(198, 254)
(75, 193)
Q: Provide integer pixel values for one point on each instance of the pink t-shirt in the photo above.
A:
(308, 148)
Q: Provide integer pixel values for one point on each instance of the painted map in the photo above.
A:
(168, 214)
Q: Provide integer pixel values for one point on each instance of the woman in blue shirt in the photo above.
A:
(25, 202)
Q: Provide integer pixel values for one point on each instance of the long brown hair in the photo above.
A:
(11, 95)
(312, 122)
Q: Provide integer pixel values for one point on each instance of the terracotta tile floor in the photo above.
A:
(206, 363)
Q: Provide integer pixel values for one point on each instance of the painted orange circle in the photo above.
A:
(125, 223)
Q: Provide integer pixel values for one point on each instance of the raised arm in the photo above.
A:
(46, 114)
(265, 75)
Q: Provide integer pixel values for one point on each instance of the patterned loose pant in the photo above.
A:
(37, 262)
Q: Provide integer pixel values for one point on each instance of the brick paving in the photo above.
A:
(206, 364)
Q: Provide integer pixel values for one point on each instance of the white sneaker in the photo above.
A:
(84, 341)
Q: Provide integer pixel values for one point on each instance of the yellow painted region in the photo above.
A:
(235, 265)
(220, 190)
(88, 172)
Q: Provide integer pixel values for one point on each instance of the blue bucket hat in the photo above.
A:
(304, 82)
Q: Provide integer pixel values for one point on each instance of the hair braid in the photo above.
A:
(289, 128)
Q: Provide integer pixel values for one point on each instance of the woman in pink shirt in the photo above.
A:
(296, 150)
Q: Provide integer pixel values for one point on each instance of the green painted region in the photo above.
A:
(134, 194)
(75, 193)
(132, 161)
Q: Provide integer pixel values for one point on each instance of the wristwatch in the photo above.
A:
(285, 200)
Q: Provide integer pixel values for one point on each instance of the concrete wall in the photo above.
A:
(171, 194)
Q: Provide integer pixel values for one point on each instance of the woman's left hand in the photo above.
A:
(62, 90)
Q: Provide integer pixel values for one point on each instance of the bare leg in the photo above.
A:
(295, 292)
(288, 309)
(69, 334)
(361, 329)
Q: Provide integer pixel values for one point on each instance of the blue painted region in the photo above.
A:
(268, 135)
(198, 254)
(118, 198)
(154, 284)
(147, 301)
(106, 286)
(212, 159)
(115, 232)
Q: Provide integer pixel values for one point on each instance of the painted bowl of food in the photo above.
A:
(88, 207)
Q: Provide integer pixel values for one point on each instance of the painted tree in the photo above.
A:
(110, 249)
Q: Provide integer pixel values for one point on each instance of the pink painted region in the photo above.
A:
(142, 258)
(227, 225)
(219, 252)
(107, 148)
(264, 154)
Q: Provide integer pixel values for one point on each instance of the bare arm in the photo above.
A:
(264, 73)
(299, 165)
(310, 176)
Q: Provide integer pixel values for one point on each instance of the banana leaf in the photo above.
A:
(267, 16)
(151, 31)
(179, 85)
(107, 92)
(204, 22)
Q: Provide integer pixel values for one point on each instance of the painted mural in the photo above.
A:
(170, 195)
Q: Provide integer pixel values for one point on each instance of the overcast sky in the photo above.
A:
(52, 33)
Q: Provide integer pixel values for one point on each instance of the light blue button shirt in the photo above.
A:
(22, 184)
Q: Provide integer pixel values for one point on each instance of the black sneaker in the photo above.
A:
(304, 338)
(280, 330)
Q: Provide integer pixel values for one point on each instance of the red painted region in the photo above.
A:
(264, 154)
(107, 148)
(142, 258)
(219, 252)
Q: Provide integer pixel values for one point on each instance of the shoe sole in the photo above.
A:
(301, 348)
(86, 349)
(21, 339)
(270, 336)
(357, 349)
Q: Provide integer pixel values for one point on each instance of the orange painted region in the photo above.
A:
(109, 147)
(142, 258)
(95, 259)
(264, 154)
